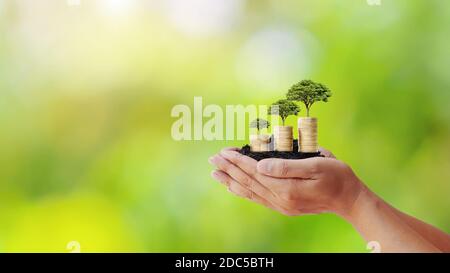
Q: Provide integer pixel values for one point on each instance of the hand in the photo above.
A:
(292, 187)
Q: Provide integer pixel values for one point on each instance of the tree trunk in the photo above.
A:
(307, 135)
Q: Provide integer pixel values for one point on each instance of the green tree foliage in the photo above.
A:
(284, 108)
(259, 124)
(308, 92)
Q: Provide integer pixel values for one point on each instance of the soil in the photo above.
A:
(275, 154)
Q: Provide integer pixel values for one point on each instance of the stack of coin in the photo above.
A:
(260, 143)
(283, 138)
(307, 135)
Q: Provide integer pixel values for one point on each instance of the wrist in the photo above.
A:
(354, 194)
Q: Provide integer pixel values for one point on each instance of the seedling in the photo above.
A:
(308, 92)
(259, 124)
(260, 143)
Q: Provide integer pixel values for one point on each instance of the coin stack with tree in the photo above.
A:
(259, 142)
(283, 135)
(308, 92)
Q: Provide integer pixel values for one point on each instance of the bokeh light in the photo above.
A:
(204, 17)
(117, 7)
(272, 58)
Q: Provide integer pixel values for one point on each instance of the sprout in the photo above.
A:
(259, 124)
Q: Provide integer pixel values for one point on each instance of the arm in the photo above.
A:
(376, 221)
(438, 238)
(316, 185)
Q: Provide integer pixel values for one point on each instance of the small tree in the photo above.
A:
(284, 109)
(308, 92)
(259, 124)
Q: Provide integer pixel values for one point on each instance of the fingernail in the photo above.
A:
(264, 166)
(215, 174)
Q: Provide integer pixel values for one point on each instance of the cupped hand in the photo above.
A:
(292, 187)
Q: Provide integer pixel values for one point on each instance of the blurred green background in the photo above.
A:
(85, 98)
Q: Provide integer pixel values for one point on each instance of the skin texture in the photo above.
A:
(325, 185)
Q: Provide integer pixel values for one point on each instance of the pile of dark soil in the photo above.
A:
(275, 154)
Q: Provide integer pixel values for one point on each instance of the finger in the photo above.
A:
(269, 188)
(224, 149)
(220, 176)
(326, 153)
(249, 165)
(241, 177)
(230, 149)
(285, 168)
(240, 191)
